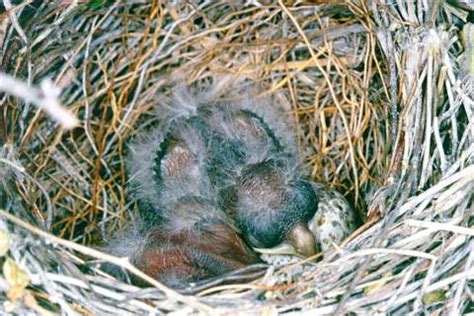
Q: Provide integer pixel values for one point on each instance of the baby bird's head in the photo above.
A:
(332, 223)
(272, 209)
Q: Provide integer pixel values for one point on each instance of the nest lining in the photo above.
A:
(381, 95)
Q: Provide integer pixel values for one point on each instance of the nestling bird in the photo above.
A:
(216, 180)
(196, 244)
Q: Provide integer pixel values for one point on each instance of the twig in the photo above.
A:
(11, 14)
(441, 226)
(45, 97)
(376, 251)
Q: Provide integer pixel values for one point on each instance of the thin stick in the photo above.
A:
(45, 97)
(376, 251)
(441, 226)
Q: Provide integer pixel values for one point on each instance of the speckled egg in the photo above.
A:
(334, 221)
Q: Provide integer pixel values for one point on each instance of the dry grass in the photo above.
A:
(383, 98)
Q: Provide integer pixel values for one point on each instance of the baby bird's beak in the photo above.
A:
(300, 241)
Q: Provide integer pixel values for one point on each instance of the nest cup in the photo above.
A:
(382, 100)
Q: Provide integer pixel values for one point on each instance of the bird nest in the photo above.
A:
(381, 93)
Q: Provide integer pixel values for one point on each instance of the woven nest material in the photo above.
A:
(382, 95)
